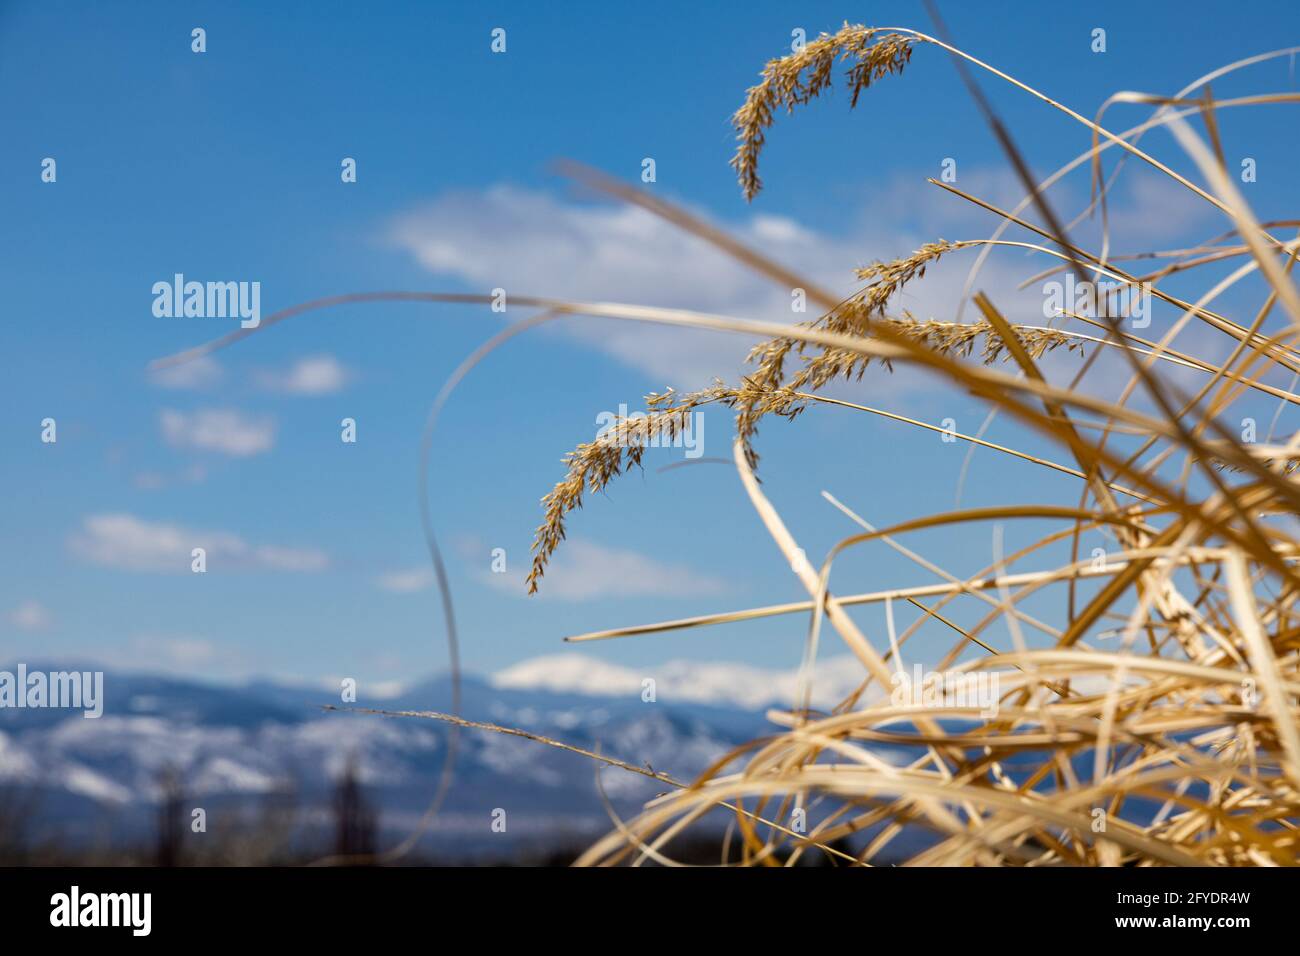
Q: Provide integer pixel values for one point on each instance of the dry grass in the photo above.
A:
(794, 80)
(1153, 720)
(1179, 746)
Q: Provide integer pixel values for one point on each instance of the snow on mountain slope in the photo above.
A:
(687, 682)
(234, 750)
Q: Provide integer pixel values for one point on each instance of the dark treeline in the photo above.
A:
(279, 831)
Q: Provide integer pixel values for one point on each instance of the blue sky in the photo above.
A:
(225, 166)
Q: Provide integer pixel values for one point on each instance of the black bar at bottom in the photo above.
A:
(336, 905)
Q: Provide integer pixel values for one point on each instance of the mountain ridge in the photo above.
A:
(236, 749)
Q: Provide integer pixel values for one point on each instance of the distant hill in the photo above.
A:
(241, 751)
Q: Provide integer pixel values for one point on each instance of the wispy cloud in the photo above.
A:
(201, 373)
(533, 242)
(31, 616)
(585, 571)
(130, 543)
(530, 241)
(225, 431)
(308, 376)
(407, 581)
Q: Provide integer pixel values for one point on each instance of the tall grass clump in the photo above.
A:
(1154, 719)
(1175, 743)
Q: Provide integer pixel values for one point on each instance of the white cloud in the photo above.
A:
(312, 375)
(1152, 210)
(203, 372)
(226, 431)
(531, 242)
(134, 544)
(584, 571)
(31, 616)
(408, 581)
(778, 229)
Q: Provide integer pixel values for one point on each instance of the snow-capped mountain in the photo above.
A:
(686, 682)
(235, 752)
